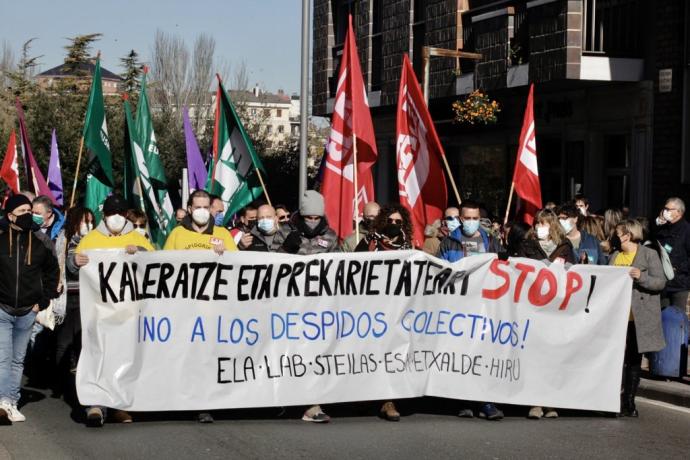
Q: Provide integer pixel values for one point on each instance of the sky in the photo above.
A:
(265, 34)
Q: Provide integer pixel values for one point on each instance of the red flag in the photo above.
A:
(421, 183)
(10, 169)
(351, 118)
(526, 175)
(34, 175)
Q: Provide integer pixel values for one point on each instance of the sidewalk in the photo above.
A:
(657, 388)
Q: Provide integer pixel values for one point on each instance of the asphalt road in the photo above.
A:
(428, 430)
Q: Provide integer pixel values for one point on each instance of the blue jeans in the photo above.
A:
(15, 332)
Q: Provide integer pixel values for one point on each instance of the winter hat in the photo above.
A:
(312, 204)
(15, 201)
(114, 204)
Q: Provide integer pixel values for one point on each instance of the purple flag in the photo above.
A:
(196, 171)
(54, 173)
(33, 173)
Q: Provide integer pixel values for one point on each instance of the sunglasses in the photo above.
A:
(449, 218)
(139, 225)
(284, 218)
(395, 221)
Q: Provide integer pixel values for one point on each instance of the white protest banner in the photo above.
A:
(191, 330)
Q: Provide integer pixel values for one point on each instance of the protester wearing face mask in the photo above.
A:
(198, 230)
(38, 364)
(28, 282)
(78, 223)
(268, 234)
(582, 204)
(468, 239)
(217, 211)
(586, 248)
(46, 216)
(241, 232)
(366, 225)
(644, 325)
(282, 213)
(113, 232)
(673, 233)
(392, 231)
(139, 222)
(312, 236)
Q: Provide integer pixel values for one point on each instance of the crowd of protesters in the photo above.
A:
(42, 251)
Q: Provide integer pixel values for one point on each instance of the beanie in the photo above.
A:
(312, 204)
(15, 201)
(114, 204)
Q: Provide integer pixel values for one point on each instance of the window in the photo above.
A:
(418, 31)
(267, 112)
(269, 129)
(617, 169)
(376, 44)
(279, 113)
(281, 129)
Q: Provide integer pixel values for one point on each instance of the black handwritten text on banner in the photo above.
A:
(175, 330)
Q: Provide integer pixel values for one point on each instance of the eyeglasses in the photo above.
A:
(449, 218)
(395, 221)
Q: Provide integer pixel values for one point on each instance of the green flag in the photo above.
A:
(235, 163)
(148, 201)
(99, 180)
(165, 213)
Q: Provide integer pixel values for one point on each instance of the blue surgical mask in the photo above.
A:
(218, 220)
(470, 227)
(452, 224)
(265, 225)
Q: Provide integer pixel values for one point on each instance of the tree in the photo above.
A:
(78, 53)
(132, 73)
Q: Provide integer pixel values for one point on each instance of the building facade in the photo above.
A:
(612, 93)
(111, 82)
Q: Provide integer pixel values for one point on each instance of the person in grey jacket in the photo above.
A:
(644, 325)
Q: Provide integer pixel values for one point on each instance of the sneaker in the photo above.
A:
(389, 412)
(466, 413)
(316, 415)
(4, 416)
(121, 416)
(535, 413)
(490, 412)
(204, 417)
(13, 413)
(551, 413)
(94, 417)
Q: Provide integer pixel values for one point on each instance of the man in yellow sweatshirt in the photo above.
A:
(197, 231)
(114, 232)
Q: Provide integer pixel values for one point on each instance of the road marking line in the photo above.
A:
(665, 405)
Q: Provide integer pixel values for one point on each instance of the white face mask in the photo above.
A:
(200, 216)
(543, 233)
(566, 225)
(667, 216)
(141, 231)
(583, 211)
(85, 228)
(115, 223)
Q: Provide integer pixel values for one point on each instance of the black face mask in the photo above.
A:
(615, 243)
(25, 222)
(392, 231)
(251, 224)
(368, 224)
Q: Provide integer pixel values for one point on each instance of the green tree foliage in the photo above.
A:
(132, 73)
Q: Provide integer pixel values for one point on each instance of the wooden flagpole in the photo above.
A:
(354, 163)
(261, 180)
(510, 201)
(76, 173)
